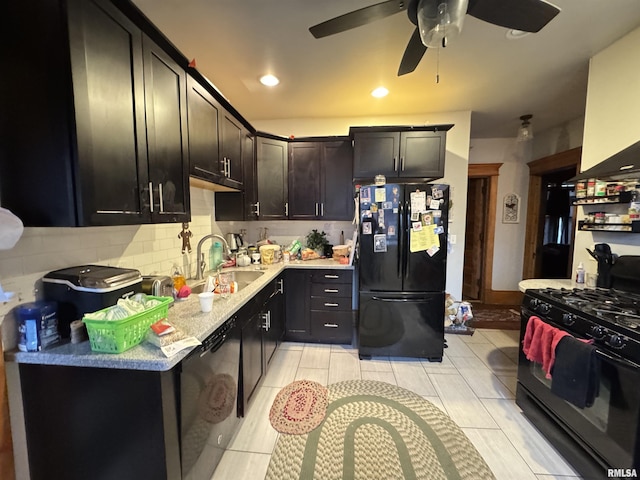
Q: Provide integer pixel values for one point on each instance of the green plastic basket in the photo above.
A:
(117, 336)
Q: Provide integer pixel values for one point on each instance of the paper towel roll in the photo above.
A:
(11, 229)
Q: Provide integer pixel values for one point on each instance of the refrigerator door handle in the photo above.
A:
(406, 234)
(405, 300)
(400, 240)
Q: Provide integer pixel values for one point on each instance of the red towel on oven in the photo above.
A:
(540, 341)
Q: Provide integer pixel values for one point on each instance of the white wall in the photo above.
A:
(457, 158)
(559, 139)
(513, 178)
(612, 122)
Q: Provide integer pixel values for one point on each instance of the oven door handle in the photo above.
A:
(618, 361)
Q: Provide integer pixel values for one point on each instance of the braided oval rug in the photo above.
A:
(377, 431)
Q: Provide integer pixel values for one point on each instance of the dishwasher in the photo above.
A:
(208, 401)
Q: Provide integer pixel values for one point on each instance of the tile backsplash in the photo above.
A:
(152, 249)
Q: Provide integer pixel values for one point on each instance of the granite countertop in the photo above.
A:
(184, 314)
(549, 283)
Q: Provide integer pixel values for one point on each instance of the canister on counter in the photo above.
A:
(37, 326)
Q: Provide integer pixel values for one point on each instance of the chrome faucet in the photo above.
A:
(200, 256)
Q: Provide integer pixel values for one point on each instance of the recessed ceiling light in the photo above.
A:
(380, 92)
(269, 80)
(514, 34)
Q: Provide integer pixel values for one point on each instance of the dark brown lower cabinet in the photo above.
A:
(262, 321)
(319, 306)
(100, 423)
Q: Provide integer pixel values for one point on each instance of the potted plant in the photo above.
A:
(317, 241)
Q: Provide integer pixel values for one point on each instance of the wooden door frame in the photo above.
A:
(490, 171)
(537, 169)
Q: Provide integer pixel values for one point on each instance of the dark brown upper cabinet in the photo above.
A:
(271, 178)
(400, 154)
(204, 116)
(215, 139)
(241, 205)
(320, 172)
(94, 130)
(232, 136)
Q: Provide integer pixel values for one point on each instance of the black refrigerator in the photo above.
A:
(402, 265)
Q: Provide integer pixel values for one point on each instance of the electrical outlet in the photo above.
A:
(452, 239)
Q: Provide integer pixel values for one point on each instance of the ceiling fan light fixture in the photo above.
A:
(525, 132)
(514, 34)
(440, 21)
(269, 80)
(380, 92)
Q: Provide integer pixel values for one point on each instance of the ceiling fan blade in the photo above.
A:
(358, 18)
(525, 15)
(412, 54)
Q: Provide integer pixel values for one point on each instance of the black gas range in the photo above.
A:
(598, 439)
(611, 318)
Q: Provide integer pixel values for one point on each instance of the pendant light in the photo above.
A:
(440, 21)
(525, 132)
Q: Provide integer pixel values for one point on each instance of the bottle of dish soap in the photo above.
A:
(580, 273)
(215, 255)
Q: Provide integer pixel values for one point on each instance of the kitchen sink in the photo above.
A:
(243, 278)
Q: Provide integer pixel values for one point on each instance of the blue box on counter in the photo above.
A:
(37, 326)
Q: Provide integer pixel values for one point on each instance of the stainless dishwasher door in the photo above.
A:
(208, 401)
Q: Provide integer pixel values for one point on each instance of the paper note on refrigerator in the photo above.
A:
(418, 201)
(381, 195)
(424, 239)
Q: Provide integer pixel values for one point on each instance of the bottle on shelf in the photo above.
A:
(580, 273)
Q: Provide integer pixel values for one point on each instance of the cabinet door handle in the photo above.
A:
(229, 167)
(322, 209)
(266, 321)
(331, 290)
(331, 276)
(316, 209)
(402, 163)
(281, 286)
(151, 196)
(395, 164)
(161, 199)
(331, 325)
(257, 212)
(286, 209)
(331, 304)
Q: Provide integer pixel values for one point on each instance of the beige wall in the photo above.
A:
(612, 122)
(457, 158)
(513, 178)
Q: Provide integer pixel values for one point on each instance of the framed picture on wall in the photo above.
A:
(511, 208)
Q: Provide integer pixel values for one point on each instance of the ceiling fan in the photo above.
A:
(439, 21)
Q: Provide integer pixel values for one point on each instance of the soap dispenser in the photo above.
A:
(580, 273)
(215, 255)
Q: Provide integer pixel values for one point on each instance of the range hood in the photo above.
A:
(624, 165)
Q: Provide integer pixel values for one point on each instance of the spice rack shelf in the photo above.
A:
(633, 227)
(622, 197)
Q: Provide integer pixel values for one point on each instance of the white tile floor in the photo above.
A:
(474, 384)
